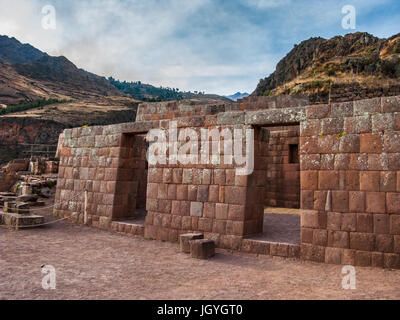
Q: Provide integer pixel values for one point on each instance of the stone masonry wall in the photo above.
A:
(208, 198)
(350, 162)
(103, 162)
(349, 181)
(283, 176)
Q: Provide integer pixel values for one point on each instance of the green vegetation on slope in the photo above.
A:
(146, 92)
(31, 105)
(149, 93)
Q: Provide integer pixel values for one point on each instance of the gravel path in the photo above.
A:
(96, 264)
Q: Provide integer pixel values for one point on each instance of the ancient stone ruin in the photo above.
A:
(338, 163)
(24, 184)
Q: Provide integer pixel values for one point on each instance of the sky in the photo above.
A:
(216, 46)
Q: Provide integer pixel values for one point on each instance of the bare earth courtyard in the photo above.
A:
(96, 264)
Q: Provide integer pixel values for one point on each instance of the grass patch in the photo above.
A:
(31, 105)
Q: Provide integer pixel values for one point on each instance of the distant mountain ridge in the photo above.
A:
(13, 51)
(237, 95)
(27, 74)
(149, 93)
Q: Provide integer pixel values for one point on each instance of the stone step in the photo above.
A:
(19, 220)
(185, 240)
(37, 204)
(202, 249)
(28, 198)
(7, 194)
(16, 207)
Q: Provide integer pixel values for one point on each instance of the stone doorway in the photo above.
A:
(283, 167)
(278, 155)
(131, 185)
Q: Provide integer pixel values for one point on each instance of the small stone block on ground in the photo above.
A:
(202, 249)
(186, 238)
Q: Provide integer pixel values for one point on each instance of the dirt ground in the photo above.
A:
(96, 264)
(283, 228)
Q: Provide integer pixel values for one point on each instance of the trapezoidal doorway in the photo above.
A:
(131, 185)
(280, 156)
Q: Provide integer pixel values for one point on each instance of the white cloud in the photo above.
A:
(213, 46)
(267, 4)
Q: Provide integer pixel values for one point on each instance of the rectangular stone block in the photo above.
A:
(332, 126)
(363, 259)
(338, 239)
(391, 260)
(384, 243)
(202, 249)
(309, 180)
(388, 181)
(362, 241)
(395, 224)
(235, 195)
(333, 255)
(312, 253)
(365, 223)
(340, 201)
(328, 180)
(393, 203)
(370, 181)
(196, 209)
(349, 222)
(371, 143)
(375, 202)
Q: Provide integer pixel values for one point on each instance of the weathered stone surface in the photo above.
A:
(202, 249)
(15, 220)
(186, 238)
(347, 170)
(277, 116)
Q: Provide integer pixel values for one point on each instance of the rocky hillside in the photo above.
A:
(29, 76)
(31, 80)
(319, 68)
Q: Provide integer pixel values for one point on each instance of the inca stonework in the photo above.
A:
(349, 185)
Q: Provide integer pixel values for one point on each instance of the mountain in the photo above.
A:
(41, 95)
(27, 74)
(315, 66)
(237, 95)
(13, 51)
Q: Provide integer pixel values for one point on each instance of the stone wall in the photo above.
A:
(208, 198)
(103, 162)
(188, 108)
(350, 158)
(342, 92)
(283, 176)
(349, 181)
